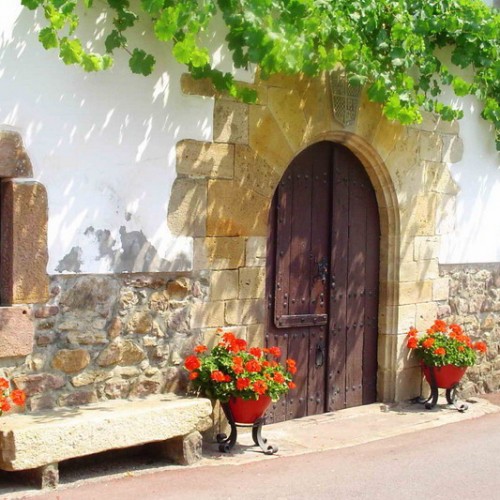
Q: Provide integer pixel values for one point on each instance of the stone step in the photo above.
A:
(38, 441)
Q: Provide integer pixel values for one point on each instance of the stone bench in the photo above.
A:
(36, 442)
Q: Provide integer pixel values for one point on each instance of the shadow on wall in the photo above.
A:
(102, 143)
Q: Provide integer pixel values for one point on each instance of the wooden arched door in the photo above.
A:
(322, 281)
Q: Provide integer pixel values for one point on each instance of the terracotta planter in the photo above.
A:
(446, 376)
(247, 411)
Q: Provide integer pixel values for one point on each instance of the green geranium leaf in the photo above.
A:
(114, 40)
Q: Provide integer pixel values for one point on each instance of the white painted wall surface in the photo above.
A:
(104, 146)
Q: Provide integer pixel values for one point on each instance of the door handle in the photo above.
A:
(320, 354)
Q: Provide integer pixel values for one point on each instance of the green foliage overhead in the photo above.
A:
(390, 46)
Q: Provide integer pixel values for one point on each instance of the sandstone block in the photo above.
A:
(412, 293)
(202, 86)
(418, 216)
(71, 361)
(44, 477)
(267, 139)
(252, 282)
(286, 106)
(231, 122)
(245, 312)
(453, 148)
(407, 317)
(440, 289)
(23, 247)
(187, 207)
(207, 314)
(87, 338)
(256, 251)
(253, 172)
(28, 441)
(14, 162)
(426, 314)
(219, 253)
(16, 332)
(234, 210)
(202, 159)
(158, 301)
(255, 335)
(431, 146)
(224, 285)
(426, 247)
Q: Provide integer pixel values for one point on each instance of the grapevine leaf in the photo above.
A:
(48, 38)
(70, 51)
(141, 63)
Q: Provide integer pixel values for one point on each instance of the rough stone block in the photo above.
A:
(36, 440)
(44, 477)
(16, 331)
(231, 122)
(183, 450)
(71, 360)
(234, 210)
(202, 159)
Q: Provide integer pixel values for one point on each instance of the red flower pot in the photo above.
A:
(247, 411)
(445, 376)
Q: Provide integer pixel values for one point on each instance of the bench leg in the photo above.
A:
(46, 476)
(183, 450)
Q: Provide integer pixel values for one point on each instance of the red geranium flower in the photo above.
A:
(253, 366)
(242, 383)
(193, 375)
(275, 351)
(200, 348)
(427, 343)
(259, 387)
(255, 351)
(292, 366)
(217, 376)
(192, 363)
(412, 343)
(440, 351)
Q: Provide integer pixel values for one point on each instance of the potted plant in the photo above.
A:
(245, 378)
(445, 352)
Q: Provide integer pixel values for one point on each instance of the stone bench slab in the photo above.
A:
(36, 440)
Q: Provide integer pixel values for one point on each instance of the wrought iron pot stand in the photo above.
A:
(451, 396)
(226, 443)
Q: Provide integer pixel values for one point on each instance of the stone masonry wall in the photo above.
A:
(474, 303)
(108, 337)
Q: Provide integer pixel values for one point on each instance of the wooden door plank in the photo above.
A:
(338, 285)
(320, 261)
(371, 299)
(356, 280)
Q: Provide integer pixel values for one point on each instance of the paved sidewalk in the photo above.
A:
(329, 431)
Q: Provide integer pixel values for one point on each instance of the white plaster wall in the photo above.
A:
(103, 144)
(476, 231)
